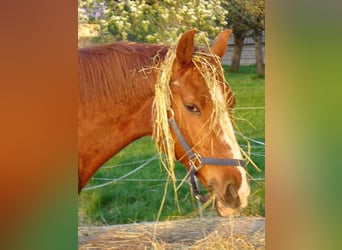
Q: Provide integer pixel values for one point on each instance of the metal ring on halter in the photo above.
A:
(197, 158)
(172, 113)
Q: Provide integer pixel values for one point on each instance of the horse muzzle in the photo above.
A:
(223, 210)
(228, 202)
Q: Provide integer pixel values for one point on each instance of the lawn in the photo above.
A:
(138, 197)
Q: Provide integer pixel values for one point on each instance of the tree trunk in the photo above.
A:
(238, 39)
(260, 65)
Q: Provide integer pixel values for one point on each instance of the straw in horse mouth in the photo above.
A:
(222, 207)
(223, 210)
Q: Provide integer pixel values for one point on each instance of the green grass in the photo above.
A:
(138, 197)
(249, 89)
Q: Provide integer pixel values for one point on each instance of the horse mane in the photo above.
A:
(117, 72)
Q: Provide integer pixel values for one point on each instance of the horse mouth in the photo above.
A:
(225, 203)
(222, 209)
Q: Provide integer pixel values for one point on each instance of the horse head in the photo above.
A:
(200, 119)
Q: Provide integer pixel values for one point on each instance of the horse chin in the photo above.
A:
(222, 209)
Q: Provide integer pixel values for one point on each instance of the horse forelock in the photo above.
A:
(118, 72)
(209, 67)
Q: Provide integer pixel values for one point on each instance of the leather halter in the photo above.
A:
(196, 161)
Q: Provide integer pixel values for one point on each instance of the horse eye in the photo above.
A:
(192, 108)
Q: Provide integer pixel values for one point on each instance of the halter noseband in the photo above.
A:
(196, 161)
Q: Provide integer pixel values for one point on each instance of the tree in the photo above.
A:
(245, 16)
(155, 21)
(237, 19)
(257, 23)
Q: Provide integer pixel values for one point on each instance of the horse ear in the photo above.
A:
(185, 47)
(220, 45)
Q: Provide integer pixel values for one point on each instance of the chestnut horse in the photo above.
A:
(116, 96)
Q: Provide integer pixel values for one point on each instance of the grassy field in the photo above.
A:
(138, 197)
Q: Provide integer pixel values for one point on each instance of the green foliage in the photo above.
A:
(245, 15)
(153, 21)
(139, 198)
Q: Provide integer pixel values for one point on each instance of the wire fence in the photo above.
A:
(250, 139)
(109, 181)
(156, 157)
(125, 175)
(249, 108)
(129, 163)
(155, 180)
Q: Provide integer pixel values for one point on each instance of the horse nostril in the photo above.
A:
(232, 191)
(231, 196)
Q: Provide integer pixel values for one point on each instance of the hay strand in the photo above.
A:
(210, 68)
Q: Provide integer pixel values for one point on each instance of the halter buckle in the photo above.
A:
(196, 162)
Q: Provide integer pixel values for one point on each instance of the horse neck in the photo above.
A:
(107, 125)
(115, 133)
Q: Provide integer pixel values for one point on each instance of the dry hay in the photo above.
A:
(208, 233)
(212, 74)
(203, 61)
